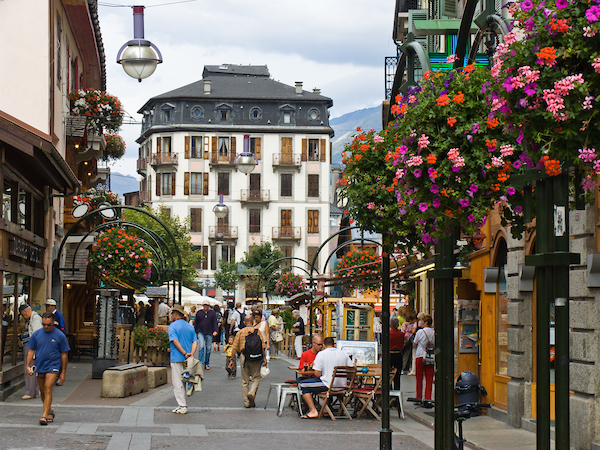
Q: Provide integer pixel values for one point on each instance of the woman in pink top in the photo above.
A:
(409, 328)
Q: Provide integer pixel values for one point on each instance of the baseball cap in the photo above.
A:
(51, 302)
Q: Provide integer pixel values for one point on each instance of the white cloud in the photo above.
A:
(334, 45)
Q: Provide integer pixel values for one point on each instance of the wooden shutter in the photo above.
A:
(205, 183)
(206, 147)
(310, 220)
(193, 220)
(304, 149)
(172, 184)
(322, 146)
(158, 176)
(257, 148)
(214, 149)
(232, 150)
(187, 147)
(205, 257)
(158, 144)
(139, 152)
(315, 221)
(186, 183)
(286, 217)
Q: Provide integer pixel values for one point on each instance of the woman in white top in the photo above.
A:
(422, 338)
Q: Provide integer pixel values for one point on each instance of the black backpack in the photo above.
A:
(253, 350)
(242, 319)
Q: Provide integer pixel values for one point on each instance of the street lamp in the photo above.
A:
(246, 161)
(219, 291)
(138, 56)
(220, 209)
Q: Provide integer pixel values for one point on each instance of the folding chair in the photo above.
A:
(340, 393)
(365, 394)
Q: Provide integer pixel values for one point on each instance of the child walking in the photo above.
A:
(229, 354)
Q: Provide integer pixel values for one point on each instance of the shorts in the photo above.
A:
(51, 371)
(312, 386)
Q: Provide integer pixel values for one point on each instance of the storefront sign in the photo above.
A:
(25, 250)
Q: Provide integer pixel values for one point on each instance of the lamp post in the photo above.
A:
(139, 57)
(221, 210)
(246, 161)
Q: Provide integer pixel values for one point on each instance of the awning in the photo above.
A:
(298, 299)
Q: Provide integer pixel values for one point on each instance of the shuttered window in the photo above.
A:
(196, 148)
(313, 185)
(286, 185)
(196, 180)
(313, 149)
(165, 184)
(196, 220)
(223, 183)
(313, 220)
(254, 220)
(255, 147)
(205, 257)
(205, 184)
(310, 254)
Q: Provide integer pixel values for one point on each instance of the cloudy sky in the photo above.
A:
(337, 46)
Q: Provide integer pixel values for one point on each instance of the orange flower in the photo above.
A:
(552, 166)
(451, 121)
(443, 100)
(492, 123)
(547, 55)
(431, 159)
(469, 68)
(459, 98)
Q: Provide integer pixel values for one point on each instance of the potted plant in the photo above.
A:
(98, 105)
(289, 284)
(115, 147)
(361, 266)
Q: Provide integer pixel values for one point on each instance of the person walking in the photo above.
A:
(298, 332)
(34, 323)
(217, 338)
(59, 320)
(49, 346)
(183, 342)
(261, 325)
(275, 323)
(245, 343)
(422, 338)
(163, 313)
(141, 314)
(206, 328)
(409, 328)
(396, 346)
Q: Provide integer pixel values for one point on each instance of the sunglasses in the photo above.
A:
(48, 324)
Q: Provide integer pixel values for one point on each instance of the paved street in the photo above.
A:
(216, 419)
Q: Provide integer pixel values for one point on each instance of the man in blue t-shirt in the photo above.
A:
(50, 347)
(183, 345)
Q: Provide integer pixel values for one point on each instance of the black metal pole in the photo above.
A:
(444, 343)
(385, 434)
(561, 310)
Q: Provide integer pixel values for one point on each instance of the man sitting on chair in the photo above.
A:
(325, 362)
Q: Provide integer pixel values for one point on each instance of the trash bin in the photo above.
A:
(468, 388)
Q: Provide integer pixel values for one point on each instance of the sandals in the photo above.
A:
(43, 421)
(46, 420)
(52, 415)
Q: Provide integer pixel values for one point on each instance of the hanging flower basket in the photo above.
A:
(98, 105)
(362, 267)
(118, 255)
(115, 147)
(289, 284)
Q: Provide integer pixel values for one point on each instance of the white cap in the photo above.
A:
(51, 301)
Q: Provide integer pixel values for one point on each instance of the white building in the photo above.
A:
(191, 136)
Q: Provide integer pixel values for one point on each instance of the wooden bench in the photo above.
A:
(123, 381)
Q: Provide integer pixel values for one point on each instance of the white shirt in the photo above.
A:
(163, 310)
(326, 360)
(423, 336)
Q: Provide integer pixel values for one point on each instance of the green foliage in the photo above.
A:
(362, 266)
(227, 276)
(258, 257)
(180, 229)
(288, 319)
(141, 336)
(289, 284)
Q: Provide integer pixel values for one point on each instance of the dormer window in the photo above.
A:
(167, 112)
(167, 116)
(224, 115)
(287, 117)
(224, 112)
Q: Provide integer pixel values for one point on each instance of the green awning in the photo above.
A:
(439, 27)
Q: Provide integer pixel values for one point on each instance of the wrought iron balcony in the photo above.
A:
(160, 159)
(228, 232)
(287, 159)
(222, 160)
(142, 165)
(255, 195)
(293, 233)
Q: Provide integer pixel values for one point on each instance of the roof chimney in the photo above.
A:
(316, 91)
(299, 87)
(207, 86)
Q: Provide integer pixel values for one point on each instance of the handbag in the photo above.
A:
(278, 336)
(295, 330)
(265, 371)
(429, 358)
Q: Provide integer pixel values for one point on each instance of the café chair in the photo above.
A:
(292, 391)
(365, 393)
(340, 393)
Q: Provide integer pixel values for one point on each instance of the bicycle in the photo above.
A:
(462, 412)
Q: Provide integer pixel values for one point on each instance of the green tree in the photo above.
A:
(256, 259)
(227, 276)
(180, 229)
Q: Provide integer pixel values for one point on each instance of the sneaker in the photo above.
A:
(180, 410)
(28, 397)
(207, 367)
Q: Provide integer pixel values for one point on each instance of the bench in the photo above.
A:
(157, 376)
(123, 381)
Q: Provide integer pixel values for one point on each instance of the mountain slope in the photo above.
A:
(120, 183)
(345, 126)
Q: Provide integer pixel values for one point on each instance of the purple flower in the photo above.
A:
(470, 138)
(436, 202)
(464, 202)
(521, 136)
(561, 4)
(510, 190)
(474, 188)
(529, 24)
(593, 14)
(549, 13)
(423, 206)
(434, 189)
(417, 173)
(475, 128)
(508, 86)
(426, 238)
(518, 209)
(517, 164)
(471, 218)
(527, 5)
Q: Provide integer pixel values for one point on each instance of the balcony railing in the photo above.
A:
(287, 159)
(145, 196)
(227, 159)
(255, 195)
(158, 159)
(287, 233)
(228, 232)
(142, 164)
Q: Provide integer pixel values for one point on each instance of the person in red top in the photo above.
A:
(308, 357)
(396, 346)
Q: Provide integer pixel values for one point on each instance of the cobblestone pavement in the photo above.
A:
(216, 419)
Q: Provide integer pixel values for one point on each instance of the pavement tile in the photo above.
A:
(108, 429)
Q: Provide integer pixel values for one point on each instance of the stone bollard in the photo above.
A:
(123, 381)
(157, 376)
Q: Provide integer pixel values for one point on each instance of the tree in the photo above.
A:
(227, 276)
(258, 257)
(180, 229)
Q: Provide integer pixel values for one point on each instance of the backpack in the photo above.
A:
(429, 358)
(253, 350)
(242, 319)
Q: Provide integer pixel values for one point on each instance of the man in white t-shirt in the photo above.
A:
(325, 361)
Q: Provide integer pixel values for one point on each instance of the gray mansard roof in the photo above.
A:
(234, 82)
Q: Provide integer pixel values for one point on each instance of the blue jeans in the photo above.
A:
(205, 342)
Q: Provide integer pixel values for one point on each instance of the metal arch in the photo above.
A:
(497, 24)
(274, 273)
(464, 33)
(285, 258)
(337, 233)
(410, 49)
(118, 209)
